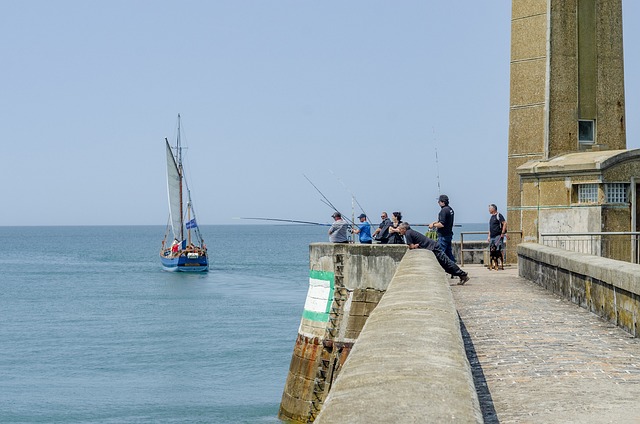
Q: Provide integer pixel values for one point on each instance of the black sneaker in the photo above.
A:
(463, 279)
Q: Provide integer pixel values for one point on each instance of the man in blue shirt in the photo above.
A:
(364, 230)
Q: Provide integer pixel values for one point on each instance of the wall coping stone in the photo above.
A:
(409, 363)
(620, 274)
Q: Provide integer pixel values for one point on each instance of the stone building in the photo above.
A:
(568, 167)
(586, 192)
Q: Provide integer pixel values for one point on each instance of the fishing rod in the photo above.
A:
(327, 201)
(437, 165)
(438, 172)
(295, 221)
(353, 196)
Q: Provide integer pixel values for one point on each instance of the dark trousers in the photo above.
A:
(445, 244)
(446, 264)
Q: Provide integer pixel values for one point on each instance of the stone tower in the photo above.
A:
(567, 85)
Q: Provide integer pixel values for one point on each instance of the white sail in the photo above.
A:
(175, 192)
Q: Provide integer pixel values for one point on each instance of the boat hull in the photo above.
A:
(185, 264)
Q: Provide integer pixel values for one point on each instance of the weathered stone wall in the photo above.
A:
(346, 282)
(409, 364)
(476, 256)
(606, 287)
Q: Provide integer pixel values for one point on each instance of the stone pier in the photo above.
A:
(346, 282)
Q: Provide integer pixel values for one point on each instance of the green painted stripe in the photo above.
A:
(322, 275)
(315, 316)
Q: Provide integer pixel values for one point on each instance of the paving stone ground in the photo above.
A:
(537, 358)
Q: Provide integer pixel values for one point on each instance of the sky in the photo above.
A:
(390, 103)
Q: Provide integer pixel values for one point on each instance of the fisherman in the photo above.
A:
(382, 232)
(417, 240)
(363, 230)
(339, 229)
(444, 226)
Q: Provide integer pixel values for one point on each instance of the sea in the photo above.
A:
(93, 331)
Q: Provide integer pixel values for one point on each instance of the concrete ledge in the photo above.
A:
(409, 363)
(623, 275)
(606, 287)
(367, 266)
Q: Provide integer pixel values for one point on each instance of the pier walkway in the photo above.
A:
(537, 358)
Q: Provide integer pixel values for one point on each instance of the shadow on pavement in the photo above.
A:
(484, 395)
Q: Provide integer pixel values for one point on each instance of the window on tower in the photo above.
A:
(586, 131)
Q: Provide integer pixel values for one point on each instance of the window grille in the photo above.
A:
(616, 192)
(588, 193)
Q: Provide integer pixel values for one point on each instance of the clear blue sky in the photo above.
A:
(358, 94)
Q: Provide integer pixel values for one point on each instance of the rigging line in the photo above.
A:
(352, 195)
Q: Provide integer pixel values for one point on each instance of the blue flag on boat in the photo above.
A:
(191, 224)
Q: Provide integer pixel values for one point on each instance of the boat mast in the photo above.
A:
(188, 216)
(179, 157)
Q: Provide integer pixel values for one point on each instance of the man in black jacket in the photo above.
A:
(417, 240)
(444, 226)
(382, 232)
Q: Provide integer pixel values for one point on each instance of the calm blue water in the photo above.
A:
(92, 331)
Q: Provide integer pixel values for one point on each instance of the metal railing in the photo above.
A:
(513, 237)
(623, 246)
(462, 249)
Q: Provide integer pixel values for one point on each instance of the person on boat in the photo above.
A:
(363, 230)
(339, 229)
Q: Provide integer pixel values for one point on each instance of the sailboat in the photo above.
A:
(187, 251)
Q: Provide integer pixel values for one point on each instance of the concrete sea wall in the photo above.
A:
(606, 287)
(379, 336)
(409, 363)
(346, 282)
